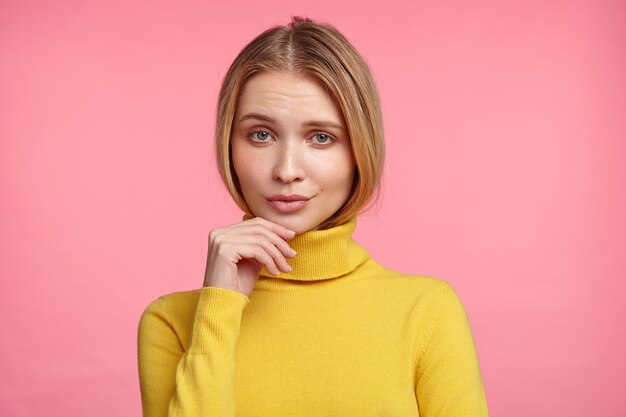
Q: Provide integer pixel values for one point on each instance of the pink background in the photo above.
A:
(505, 176)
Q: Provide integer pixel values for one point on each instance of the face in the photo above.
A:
(291, 150)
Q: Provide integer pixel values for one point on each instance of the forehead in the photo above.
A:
(284, 93)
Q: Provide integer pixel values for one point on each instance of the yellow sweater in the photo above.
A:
(339, 335)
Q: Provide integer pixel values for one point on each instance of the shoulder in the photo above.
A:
(413, 285)
(173, 310)
(172, 303)
(432, 305)
(413, 294)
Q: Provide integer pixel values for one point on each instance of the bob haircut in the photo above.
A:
(320, 51)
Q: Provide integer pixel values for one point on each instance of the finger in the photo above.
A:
(277, 256)
(258, 232)
(246, 241)
(259, 254)
(280, 230)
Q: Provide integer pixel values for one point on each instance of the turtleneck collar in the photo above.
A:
(323, 254)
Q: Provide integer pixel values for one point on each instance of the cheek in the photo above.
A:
(245, 164)
(338, 173)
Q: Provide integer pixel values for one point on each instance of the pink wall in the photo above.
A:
(505, 176)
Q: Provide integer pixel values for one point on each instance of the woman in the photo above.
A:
(295, 318)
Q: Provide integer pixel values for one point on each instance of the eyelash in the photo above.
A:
(252, 134)
(331, 138)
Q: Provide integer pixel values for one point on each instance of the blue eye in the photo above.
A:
(260, 135)
(323, 138)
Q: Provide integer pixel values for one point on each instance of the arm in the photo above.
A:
(198, 381)
(448, 374)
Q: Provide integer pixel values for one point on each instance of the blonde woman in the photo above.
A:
(295, 318)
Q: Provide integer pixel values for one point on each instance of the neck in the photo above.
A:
(323, 254)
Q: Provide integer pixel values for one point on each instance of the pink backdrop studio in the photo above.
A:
(505, 176)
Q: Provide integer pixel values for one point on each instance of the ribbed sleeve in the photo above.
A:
(199, 381)
(217, 321)
(448, 374)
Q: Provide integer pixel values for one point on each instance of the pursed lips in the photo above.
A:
(288, 203)
(291, 197)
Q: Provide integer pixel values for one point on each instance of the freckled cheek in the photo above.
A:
(249, 166)
(250, 175)
(335, 174)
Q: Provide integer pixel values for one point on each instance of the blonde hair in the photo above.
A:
(320, 51)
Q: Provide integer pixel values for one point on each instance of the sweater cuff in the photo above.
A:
(217, 321)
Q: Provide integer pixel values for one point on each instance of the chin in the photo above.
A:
(296, 223)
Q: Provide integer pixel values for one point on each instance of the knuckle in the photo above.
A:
(213, 234)
(263, 254)
(218, 240)
(267, 247)
(263, 222)
(222, 249)
(258, 235)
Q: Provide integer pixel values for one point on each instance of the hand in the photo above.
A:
(237, 253)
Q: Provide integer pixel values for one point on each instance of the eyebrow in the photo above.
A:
(311, 123)
(256, 116)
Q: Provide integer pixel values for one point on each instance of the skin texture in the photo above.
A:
(289, 137)
(287, 148)
(237, 252)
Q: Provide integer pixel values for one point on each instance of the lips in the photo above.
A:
(288, 203)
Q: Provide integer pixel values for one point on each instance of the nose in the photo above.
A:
(288, 164)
